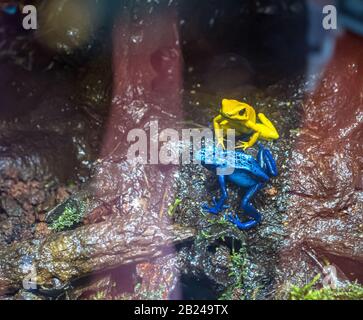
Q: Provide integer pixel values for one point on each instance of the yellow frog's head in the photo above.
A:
(236, 110)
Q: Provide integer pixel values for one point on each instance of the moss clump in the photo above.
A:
(143, 294)
(352, 291)
(237, 273)
(71, 216)
(99, 295)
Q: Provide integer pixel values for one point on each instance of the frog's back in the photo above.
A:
(247, 170)
(230, 159)
(245, 161)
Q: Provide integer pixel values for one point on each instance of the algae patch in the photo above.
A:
(237, 269)
(71, 216)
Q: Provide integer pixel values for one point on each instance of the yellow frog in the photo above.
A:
(242, 117)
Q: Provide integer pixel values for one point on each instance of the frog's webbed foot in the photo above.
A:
(220, 144)
(242, 145)
(218, 206)
(239, 224)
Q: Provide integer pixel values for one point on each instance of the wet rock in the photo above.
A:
(41, 230)
(120, 189)
(154, 279)
(157, 279)
(25, 156)
(98, 288)
(69, 255)
(325, 210)
(48, 138)
(30, 176)
(26, 295)
(55, 127)
(209, 262)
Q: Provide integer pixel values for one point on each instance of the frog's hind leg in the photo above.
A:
(264, 120)
(248, 210)
(218, 204)
(266, 161)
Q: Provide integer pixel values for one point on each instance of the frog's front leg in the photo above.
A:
(218, 131)
(247, 144)
(218, 204)
(248, 210)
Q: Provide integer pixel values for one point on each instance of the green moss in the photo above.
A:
(221, 221)
(352, 291)
(237, 267)
(218, 229)
(205, 235)
(99, 295)
(149, 295)
(71, 216)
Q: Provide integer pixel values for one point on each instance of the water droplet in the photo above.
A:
(136, 39)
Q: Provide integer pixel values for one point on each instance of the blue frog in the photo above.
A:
(247, 173)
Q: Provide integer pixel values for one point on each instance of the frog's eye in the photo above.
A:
(242, 112)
